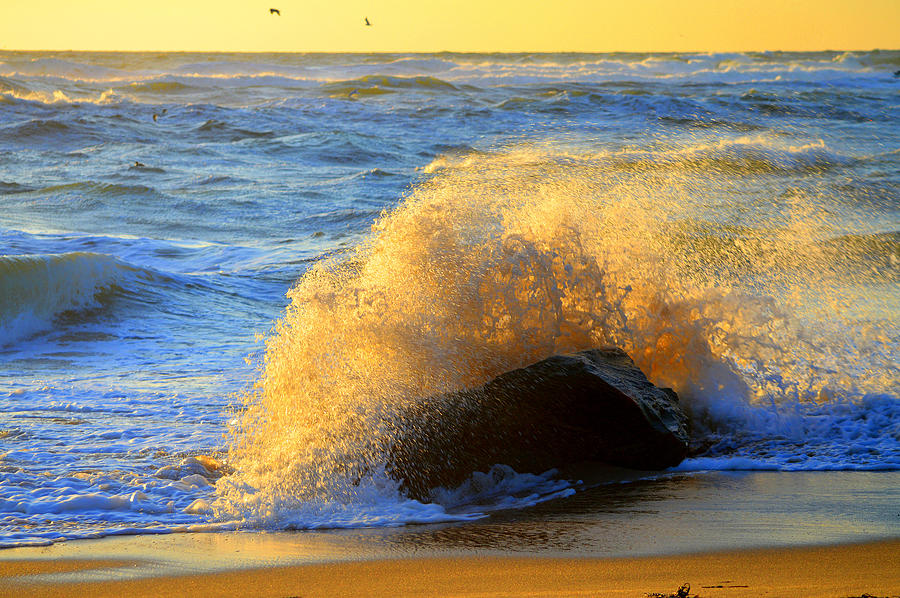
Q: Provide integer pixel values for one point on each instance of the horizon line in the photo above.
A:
(832, 50)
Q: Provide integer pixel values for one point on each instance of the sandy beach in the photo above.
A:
(824, 572)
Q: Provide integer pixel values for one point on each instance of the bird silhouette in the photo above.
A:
(274, 11)
(368, 24)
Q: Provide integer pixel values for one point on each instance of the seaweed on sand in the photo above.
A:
(683, 592)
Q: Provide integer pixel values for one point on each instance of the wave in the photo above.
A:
(59, 96)
(39, 128)
(239, 68)
(158, 86)
(697, 122)
(102, 189)
(11, 188)
(498, 260)
(726, 155)
(345, 148)
(91, 67)
(220, 131)
(342, 216)
(382, 84)
(877, 58)
(823, 435)
(36, 288)
(96, 196)
(60, 68)
(742, 155)
(92, 78)
(12, 87)
(41, 292)
(52, 133)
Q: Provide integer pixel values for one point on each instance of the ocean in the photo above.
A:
(221, 274)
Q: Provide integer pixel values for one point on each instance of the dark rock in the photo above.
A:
(593, 405)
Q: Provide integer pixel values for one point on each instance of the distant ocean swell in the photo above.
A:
(49, 80)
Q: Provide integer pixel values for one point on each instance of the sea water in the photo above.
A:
(222, 274)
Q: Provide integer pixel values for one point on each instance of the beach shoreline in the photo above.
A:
(837, 570)
(752, 533)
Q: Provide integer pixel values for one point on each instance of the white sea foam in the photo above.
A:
(101, 502)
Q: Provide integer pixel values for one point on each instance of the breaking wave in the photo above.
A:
(36, 288)
(499, 260)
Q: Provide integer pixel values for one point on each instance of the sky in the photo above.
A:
(450, 25)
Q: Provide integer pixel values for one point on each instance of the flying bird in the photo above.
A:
(274, 11)
(368, 24)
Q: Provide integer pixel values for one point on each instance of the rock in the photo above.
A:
(594, 405)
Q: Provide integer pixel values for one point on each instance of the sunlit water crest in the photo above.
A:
(223, 276)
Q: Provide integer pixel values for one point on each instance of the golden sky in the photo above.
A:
(453, 25)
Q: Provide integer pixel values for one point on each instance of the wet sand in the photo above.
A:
(728, 534)
(823, 572)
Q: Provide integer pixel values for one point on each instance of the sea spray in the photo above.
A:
(499, 260)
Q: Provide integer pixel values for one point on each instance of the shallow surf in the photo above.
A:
(259, 258)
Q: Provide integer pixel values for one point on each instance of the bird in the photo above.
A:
(353, 93)
(274, 11)
(368, 24)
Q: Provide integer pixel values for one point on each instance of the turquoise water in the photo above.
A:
(156, 209)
